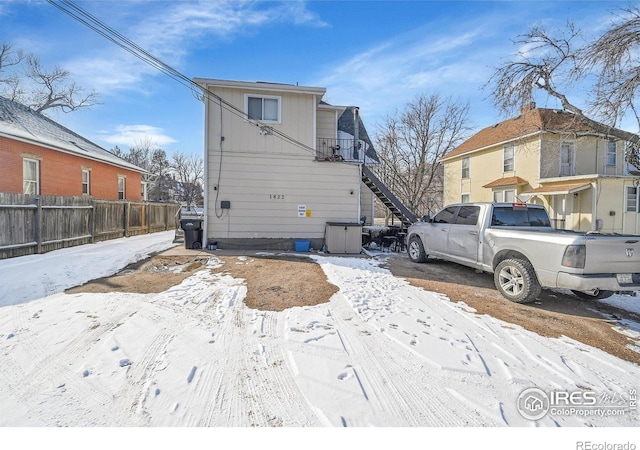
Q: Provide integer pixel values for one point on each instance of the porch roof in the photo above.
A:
(561, 189)
(508, 181)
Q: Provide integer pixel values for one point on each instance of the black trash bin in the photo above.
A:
(192, 233)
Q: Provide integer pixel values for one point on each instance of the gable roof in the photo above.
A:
(530, 122)
(22, 123)
(346, 124)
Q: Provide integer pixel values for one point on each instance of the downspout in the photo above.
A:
(356, 142)
(594, 206)
(206, 171)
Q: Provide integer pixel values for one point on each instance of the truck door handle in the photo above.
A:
(444, 230)
(475, 233)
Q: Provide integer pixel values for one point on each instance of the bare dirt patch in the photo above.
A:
(273, 283)
(152, 275)
(277, 283)
(553, 314)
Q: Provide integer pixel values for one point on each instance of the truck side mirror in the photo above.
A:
(426, 218)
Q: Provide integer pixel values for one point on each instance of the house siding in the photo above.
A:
(486, 166)
(265, 192)
(61, 173)
(327, 124)
(296, 120)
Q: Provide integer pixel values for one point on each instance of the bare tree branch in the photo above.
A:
(541, 63)
(410, 145)
(23, 79)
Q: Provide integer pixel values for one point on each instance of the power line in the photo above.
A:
(92, 22)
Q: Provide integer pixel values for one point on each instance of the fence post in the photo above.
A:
(92, 221)
(37, 224)
(126, 219)
(147, 210)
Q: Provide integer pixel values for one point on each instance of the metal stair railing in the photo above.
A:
(387, 198)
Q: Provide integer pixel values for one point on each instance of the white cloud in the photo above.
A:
(169, 33)
(388, 75)
(131, 135)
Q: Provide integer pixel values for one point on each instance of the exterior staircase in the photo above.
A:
(387, 198)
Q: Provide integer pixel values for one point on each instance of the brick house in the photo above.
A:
(39, 156)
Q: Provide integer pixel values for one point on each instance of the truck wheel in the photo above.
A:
(416, 250)
(586, 296)
(516, 280)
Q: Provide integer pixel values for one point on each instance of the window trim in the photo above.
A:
(504, 158)
(467, 168)
(627, 197)
(37, 179)
(571, 146)
(88, 182)
(263, 97)
(609, 154)
(124, 187)
(503, 195)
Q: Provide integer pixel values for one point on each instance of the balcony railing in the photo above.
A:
(340, 150)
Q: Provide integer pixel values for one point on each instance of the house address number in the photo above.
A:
(276, 196)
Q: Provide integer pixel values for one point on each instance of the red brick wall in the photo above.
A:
(61, 173)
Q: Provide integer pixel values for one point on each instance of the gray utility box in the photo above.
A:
(343, 237)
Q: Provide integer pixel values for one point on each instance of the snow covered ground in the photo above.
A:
(380, 354)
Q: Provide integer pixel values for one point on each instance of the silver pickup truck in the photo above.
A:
(517, 243)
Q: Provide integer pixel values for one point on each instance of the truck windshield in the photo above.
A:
(504, 216)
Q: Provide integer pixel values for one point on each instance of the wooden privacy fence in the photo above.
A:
(38, 224)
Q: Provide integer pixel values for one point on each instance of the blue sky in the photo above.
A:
(377, 55)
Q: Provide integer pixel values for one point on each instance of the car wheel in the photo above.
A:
(416, 251)
(516, 280)
(586, 296)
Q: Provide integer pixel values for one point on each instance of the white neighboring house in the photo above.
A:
(276, 168)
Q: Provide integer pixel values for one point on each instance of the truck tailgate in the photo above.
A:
(612, 254)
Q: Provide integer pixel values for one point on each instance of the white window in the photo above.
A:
(31, 176)
(632, 203)
(611, 153)
(464, 198)
(465, 167)
(86, 178)
(508, 158)
(264, 108)
(508, 196)
(121, 188)
(567, 159)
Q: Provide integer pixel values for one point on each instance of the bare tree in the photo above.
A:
(188, 170)
(410, 145)
(614, 57)
(551, 63)
(24, 80)
(153, 160)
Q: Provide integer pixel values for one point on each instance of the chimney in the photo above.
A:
(527, 107)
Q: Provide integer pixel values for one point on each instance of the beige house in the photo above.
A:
(545, 156)
(278, 169)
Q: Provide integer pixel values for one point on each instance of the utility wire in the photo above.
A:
(90, 21)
